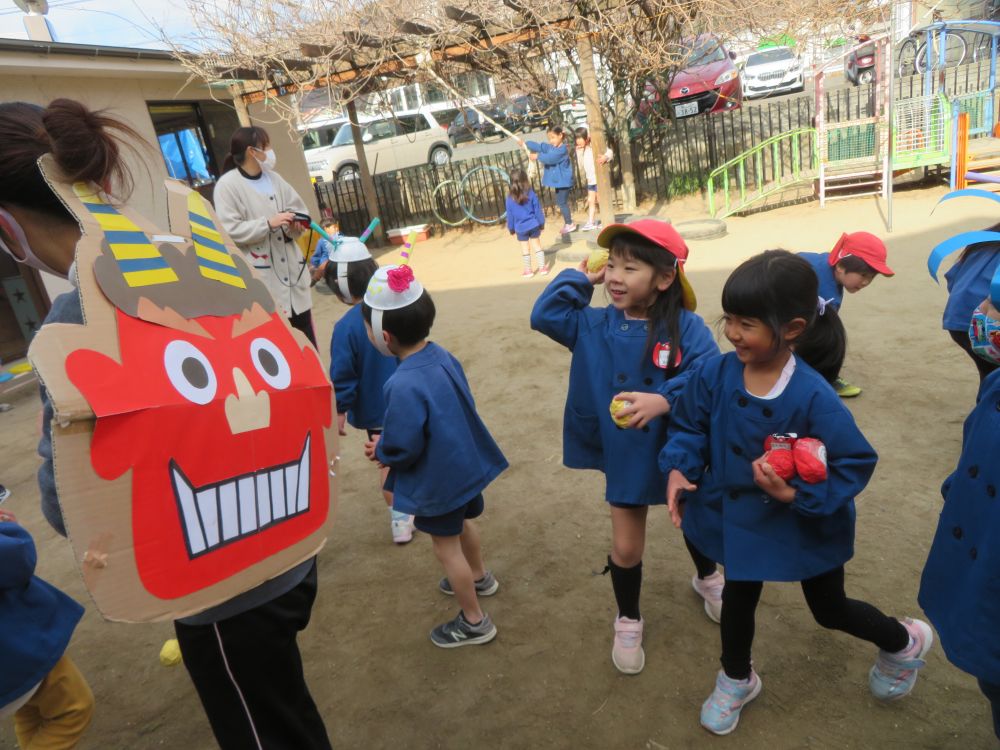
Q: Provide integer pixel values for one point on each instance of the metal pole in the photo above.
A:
(890, 141)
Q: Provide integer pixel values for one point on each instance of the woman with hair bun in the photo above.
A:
(242, 654)
(257, 208)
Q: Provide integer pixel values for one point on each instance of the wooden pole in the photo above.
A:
(242, 113)
(595, 121)
(367, 183)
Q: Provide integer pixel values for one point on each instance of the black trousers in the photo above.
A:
(248, 673)
(304, 322)
(962, 339)
(828, 604)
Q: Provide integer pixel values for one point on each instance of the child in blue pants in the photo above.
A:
(558, 174)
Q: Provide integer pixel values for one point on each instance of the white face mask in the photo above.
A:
(12, 234)
(269, 160)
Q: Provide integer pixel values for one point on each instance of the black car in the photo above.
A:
(529, 113)
(469, 126)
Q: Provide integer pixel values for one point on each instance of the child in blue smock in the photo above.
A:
(739, 512)
(526, 220)
(39, 684)
(440, 455)
(968, 284)
(558, 174)
(960, 587)
(358, 370)
(851, 266)
(640, 349)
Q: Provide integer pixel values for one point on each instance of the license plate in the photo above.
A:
(686, 110)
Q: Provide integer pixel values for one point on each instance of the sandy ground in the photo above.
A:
(547, 680)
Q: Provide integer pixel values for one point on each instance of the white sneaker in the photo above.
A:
(627, 653)
(402, 527)
(710, 589)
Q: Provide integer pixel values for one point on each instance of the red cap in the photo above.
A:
(663, 234)
(865, 246)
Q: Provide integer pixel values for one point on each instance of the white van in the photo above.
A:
(392, 142)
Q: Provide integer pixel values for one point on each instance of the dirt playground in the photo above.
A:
(547, 681)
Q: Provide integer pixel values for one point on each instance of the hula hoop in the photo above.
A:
(463, 186)
(434, 205)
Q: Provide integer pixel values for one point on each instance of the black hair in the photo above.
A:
(330, 221)
(776, 287)
(854, 264)
(409, 325)
(557, 130)
(359, 273)
(520, 185)
(244, 138)
(664, 315)
(582, 132)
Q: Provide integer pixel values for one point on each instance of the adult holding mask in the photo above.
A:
(242, 655)
(257, 208)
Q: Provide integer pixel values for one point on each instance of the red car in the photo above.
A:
(709, 83)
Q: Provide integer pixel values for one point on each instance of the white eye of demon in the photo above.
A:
(190, 372)
(270, 363)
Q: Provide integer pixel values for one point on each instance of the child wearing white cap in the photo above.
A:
(440, 455)
(357, 369)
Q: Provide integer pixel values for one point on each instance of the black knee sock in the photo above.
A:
(627, 582)
(703, 565)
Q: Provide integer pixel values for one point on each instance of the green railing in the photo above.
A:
(768, 168)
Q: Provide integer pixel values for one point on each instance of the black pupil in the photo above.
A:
(268, 362)
(194, 372)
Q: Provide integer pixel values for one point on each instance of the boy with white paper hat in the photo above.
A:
(440, 455)
(357, 369)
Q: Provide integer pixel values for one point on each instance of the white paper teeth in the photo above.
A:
(217, 514)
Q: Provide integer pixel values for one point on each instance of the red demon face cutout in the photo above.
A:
(224, 433)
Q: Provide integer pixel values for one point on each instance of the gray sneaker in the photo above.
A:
(459, 632)
(485, 586)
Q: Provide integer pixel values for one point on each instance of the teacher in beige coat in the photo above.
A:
(257, 208)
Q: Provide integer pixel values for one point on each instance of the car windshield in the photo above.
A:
(344, 136)
(705, 52)
(770, 55)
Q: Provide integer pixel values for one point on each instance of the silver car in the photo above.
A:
(775, 70)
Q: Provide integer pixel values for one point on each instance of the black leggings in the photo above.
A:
(962, 339)
(828, 604)
(304, 322)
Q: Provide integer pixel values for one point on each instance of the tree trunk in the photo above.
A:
(592, 97)
(367, 182)
(624, 154)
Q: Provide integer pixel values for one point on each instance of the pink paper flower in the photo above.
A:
(400, 278)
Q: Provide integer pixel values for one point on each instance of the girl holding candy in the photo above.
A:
(740, 512)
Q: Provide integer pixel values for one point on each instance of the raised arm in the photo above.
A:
(561, 309)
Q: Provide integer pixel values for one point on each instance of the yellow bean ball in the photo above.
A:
(170, 654)
(616, 406)
(597, 260)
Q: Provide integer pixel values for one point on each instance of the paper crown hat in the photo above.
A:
(347, 250)
(391, 288)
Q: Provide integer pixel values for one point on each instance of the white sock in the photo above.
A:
(540, 258)
(527, 261)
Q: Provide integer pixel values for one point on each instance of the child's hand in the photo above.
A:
(593, 278)
(370, 449)
(765, 478)
(677, 484)
(644, 409)
(602, 159)
(533, 156)
(342, 424)
(7, 516)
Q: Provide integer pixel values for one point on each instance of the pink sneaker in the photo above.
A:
(544, 270)
(710, 589)
(402, 527)
(627, 653)
(895, 674)
(527, 273)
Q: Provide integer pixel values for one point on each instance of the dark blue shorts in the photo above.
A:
(450, 524)
(373, 432)
(592, 188)
(534, 234)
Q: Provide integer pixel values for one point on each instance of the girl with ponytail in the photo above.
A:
(789, 344)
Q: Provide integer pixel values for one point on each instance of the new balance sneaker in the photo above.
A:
(845, 389)
(485, 586)
(710, 589)
(627, 653)
(721, 712)
(402, 527)
(895, 674)
(460, 632)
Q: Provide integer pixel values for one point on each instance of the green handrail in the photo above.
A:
(774, 145)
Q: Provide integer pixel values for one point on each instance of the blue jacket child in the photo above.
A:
(526, 217)
(558, 167)
(439, 453)
(609, 357)
(359, 372)
(960, 586)
(36, 619)
(829, 289)
(718, 429)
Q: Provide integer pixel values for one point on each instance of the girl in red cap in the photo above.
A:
(638, 352)
(852, 265)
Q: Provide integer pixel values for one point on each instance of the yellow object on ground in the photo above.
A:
(170, 654)
(616, 406)
(597, 260)
(19, 368)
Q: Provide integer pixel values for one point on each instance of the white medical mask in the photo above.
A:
(11, 236)
(269, 159)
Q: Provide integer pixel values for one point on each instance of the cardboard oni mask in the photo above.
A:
(192, 428)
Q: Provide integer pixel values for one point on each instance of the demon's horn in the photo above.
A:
(214, 260)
